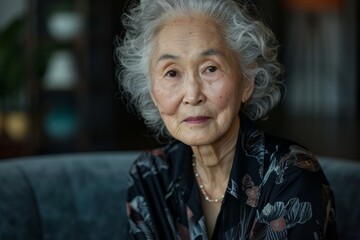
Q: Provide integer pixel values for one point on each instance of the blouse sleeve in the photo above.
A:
(299, 202)
(140, 222)
(147, 207)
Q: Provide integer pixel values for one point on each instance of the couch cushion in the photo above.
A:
(75, 196)
(19, 216)
(344, 178)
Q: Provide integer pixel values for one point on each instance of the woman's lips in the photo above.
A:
(196, 120)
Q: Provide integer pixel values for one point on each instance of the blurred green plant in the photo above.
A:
(11, 58)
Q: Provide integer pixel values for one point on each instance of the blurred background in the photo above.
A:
(58, 90)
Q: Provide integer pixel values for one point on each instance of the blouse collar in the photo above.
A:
(246, 173)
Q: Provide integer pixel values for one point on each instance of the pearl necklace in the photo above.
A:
(201, 186)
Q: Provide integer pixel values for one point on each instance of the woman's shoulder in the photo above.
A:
(151, 159)
(287, 153)
(157, 159)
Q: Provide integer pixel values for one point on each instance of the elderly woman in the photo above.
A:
(199, 72)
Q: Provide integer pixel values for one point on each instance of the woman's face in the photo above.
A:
(196, 81)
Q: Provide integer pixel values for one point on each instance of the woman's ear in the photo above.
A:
(249, 83)
(248, 89)
(152, 98)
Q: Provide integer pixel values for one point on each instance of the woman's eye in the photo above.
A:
(171, 74)
(211, 69)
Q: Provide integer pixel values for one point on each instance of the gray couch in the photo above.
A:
(82, 196)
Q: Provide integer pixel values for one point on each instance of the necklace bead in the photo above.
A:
(201, 186)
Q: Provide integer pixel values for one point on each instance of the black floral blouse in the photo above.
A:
(276, 190)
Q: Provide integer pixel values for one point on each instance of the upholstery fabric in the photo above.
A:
(82, 196)
(64, 197)
(344, 179)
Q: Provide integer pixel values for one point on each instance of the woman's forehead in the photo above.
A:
(197, 34)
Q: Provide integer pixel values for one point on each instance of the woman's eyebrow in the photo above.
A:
(212, 52)
(167, 57)
(206, 53)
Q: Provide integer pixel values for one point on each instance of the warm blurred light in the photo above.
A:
(2, 115)
(16, 125)
(314, 5)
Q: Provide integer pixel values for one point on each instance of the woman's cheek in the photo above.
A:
(166, 103)
(229, 99)
(223, 96)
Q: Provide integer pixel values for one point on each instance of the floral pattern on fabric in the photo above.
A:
(233, 188)
(278, 218)
(276, 191)
(297, 156)
(302, 158)
(251, 191)
(141, 219)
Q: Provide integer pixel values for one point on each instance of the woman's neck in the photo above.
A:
(214, 161)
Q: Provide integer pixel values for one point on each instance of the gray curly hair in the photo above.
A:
(250, 39)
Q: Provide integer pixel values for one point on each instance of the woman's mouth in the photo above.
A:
(196, 120)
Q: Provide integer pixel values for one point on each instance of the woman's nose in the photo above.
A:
(193, 91)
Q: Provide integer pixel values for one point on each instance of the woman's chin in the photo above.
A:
(196, 139)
